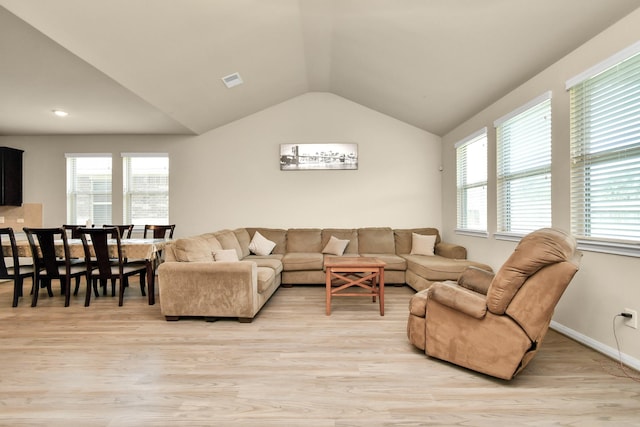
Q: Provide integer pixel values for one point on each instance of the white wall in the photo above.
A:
(606, 284)
(231, 177)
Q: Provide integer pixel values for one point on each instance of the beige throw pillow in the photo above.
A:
(335, 246)
(260, 245)
(422, 244)
(229, 255)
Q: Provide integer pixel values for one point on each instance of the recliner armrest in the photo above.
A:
(476, 279)
(458, 298)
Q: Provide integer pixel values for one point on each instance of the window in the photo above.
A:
(605, 150)
(524, 167)
(88, 188)
(146, 188)
(471, 166)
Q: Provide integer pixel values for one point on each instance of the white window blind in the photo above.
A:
(88, 188)
(471, 167)
(146, 188)
(605, 153)
(524, 167)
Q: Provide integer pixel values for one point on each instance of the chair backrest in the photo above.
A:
(124, 229)
(43, 251)
(97, 239)
(159, 231)
(73, 229)
(529, 285)
(5, 271)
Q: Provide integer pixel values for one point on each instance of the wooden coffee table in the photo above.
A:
(364, 272)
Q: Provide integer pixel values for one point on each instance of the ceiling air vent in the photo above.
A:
(232, 80)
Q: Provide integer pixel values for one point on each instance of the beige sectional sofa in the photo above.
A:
(216, 274)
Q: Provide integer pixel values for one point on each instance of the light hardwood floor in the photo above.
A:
(293, 366)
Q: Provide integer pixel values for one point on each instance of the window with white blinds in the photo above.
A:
(524, 167)
(146, 188)
(89, 188)
(605, 151)
(471, 167)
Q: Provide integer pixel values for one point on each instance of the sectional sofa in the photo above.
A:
(233, 273)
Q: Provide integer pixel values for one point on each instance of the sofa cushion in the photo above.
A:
(266, 277)
(228, 240)
(225, 255)
(439, 268)
(393, 262)
(335, 246)
(304, 240)
(260, 245)
(211, 240)
(276, 235)
(422, 244)
(193, 249)
(349, 234)
(264, 261)
(376, 240)
(243, 240)
(297, 261)
(404, 238)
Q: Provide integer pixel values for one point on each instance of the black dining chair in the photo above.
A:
(13, 270)
(159, 231)
(48, 265)
(107, 266)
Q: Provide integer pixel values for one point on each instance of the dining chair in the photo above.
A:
(124, 229)
(107, 266)
(159, 231)
(48, 265)
(13, 270)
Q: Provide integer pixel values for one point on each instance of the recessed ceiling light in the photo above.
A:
(232, 80)
(60, 113)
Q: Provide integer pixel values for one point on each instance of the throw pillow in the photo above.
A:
(260, 245)
(225, 255)
(335, 246)
(423, 244)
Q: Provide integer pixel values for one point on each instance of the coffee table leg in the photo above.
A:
(328, 285)
(381, 291)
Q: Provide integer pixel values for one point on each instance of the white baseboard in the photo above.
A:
(596, 345)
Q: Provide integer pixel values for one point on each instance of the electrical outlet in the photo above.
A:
(1, 220)
(20, 220)
(632, 321)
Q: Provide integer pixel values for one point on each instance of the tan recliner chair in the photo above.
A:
(495, 324)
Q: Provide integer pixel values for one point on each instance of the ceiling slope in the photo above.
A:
(127, 66)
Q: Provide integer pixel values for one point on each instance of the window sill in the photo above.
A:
(613, 248)
(472, 233)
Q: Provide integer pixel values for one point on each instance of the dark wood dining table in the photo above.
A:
(143, 249)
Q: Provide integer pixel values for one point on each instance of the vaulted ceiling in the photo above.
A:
(155, 67)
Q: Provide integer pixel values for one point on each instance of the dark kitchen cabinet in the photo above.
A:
(10, 176)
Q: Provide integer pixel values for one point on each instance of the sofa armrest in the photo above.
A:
(450, 250)
(476, 279)
(224, 289)
(459, 299)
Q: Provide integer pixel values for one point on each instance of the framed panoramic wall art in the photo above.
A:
(321, 156)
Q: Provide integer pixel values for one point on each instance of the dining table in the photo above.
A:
(148, 250)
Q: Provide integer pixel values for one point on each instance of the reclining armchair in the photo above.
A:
(495, 324)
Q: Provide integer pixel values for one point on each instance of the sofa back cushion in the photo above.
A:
(193, 249)
(304, 240)
(404, 240)
(243, 239)
(228, 240)
(276, 235)
(376, 240)
(350, 234)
